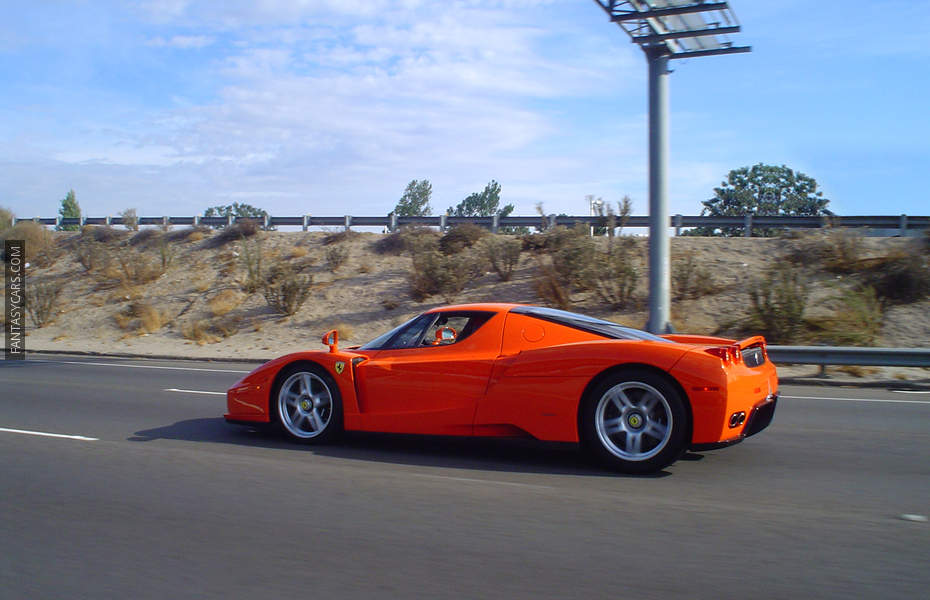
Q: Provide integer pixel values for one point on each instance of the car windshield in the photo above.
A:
(589, 324)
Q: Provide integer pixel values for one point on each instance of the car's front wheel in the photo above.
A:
(307, 404)
(634, 421)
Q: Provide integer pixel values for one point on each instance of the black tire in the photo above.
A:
(634, 421)
(309, 416)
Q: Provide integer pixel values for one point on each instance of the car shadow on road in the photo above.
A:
(488, 454)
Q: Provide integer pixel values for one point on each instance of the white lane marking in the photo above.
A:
(52, 435)
(100, 364)
(911, 391)
(194, 391)
(471, 480)
(881, 400)
(914, 518)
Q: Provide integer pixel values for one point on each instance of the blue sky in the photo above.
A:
(331, 107)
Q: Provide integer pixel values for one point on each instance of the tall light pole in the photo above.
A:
(665, 30)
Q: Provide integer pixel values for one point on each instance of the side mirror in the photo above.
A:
(331, 339)
(444, 335)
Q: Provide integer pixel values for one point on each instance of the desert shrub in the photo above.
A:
(198, 331)
(550, 287)
(841, 250)
(554, 239)
(145, 237)
(778, 302)
(298, 252)
(251, 258)
(151, 319)
(103, 234)
(189, 234)
(572, 259)
(339, 236)
(412, 239)
(225, 301)
(285, 289)
(130, 219)
(93, 255)
(131, 267)
(6, 219)
(389, 303)
(691, 280)
(41, 302)
(900, 278)
(40, 242)
(460, 237)
(502, 253)
(613, 277)
(336, 256)
(240, 230)
(435, 273)
(857, 320)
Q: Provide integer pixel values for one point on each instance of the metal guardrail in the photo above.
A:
(899, 223)
(844, 355)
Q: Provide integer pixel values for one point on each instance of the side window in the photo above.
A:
(437, 329)
(456, 322)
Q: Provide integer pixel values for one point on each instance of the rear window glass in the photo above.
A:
(590, 324)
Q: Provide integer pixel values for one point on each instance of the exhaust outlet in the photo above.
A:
(737, 419)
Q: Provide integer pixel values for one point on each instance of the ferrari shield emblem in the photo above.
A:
(340, 367)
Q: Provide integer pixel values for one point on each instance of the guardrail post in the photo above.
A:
(196, 220)
(267, 222)
(107, 220)
(747, 225)
(552, 218)
(902, 224)
(392, 227)
(230, 220)
(166, 222)
(348, 222)
(676, 221)
(82, 221)
(495, 222)
(442, 221)
(57, 222)
(306, 222)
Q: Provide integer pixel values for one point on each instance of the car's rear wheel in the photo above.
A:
(307, 404)
(634, 421)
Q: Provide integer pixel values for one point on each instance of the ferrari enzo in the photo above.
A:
(633, 400)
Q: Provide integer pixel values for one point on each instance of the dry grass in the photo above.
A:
(123, 320)
(198, 331)
(41, 250)
(132, 267)
(202, 285)
(251, 257)
(225, 301)
(41, 302)
(346, 331)
(124, 293)
(339, 237)
(298, 252)
(336, 256)
(389, 304)
(855, 370)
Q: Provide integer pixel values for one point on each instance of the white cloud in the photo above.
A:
(182, 41)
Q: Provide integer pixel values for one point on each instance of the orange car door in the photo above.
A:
(427, 389)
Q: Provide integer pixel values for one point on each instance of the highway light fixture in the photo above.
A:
(668, 29)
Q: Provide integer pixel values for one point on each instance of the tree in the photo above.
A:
(238, 210)
(484, 204)
(763, 190)
(70, 209)
(415, 201)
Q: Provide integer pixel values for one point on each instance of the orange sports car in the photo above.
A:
(634, 400)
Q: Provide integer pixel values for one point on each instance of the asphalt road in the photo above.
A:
(170, 502)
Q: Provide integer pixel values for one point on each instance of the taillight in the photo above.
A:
(724, 353)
